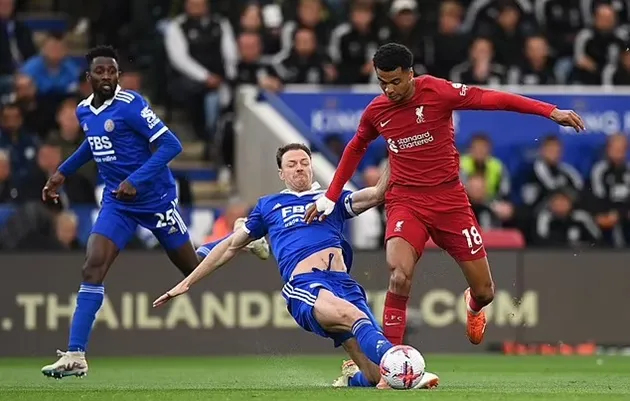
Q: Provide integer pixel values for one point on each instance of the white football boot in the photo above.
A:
(427, 382)
(70, 363)
(260, 247)
(348, 369)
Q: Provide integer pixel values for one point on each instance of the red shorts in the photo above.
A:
(442, 213)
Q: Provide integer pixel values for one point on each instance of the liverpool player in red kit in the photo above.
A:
(425, 197)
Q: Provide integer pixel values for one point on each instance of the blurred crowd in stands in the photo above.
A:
(190, 55)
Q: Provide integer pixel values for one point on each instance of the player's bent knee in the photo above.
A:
(483, 293)
(335, 314)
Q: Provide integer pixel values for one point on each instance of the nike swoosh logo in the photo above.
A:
(392, 323)
(383, 124)
(474, 251)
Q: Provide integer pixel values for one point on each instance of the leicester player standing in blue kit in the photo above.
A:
(132, 148)
(314, 262)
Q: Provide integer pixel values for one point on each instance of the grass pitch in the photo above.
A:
(469, 378)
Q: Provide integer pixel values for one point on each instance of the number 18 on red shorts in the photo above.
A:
(442, 213)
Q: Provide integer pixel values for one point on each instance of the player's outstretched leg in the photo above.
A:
(101, 253)
(479, 294)
(338, 315)
(401, 260)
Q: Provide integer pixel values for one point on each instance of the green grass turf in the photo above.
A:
(463, 378)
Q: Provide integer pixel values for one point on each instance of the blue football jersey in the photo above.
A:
(290, 237)
(120, 133)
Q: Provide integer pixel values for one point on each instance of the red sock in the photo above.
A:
(474, 305)
(395, 317)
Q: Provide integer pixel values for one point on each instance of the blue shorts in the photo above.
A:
(119, 225)
(302, 291)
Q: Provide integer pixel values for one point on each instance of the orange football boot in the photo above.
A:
(475, 322)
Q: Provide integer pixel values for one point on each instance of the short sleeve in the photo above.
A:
(141, 118)
(344, 204)
(255, 225)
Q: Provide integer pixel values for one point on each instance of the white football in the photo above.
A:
(402, 367)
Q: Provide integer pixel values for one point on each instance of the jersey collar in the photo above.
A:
(107, 103)
(315, 187)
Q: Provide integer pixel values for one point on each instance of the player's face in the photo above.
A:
(397, 84)
(296, 171)
(103, 76)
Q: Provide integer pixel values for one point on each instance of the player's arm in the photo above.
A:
(225, 251)
(82, 155)
(367, 198)
(463, 97)
(140, 117)
(352, 155)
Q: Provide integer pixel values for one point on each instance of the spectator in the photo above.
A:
(405, 28)
(224, 225)
(353, 44)
(561, 224)
(448, 46)
(480, 13)
(610, 184)
(560, 21)
(251, 21)
(305, 64)
(550, 174)
(537, 68)
(201, 48)
(8, 190)
(21, 144)
(70, 136)
(618, 74)
(479, 160)
(508, 33)
(131, 79)
(480, 69)
(38, 114)
(597, 46)
(76, 190)
(66, 230)
(53, 71)
(490, 214)
(310, 15)
(251, 69)
(620, 7)
(16, 44)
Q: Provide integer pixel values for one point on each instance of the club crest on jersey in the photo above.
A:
(109, 125)
(419, 114)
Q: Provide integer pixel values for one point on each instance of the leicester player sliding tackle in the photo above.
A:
(121, 133)
(314, 262)
(425, 197)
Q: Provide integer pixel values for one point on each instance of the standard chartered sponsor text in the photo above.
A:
(250, 310)
(415, 140)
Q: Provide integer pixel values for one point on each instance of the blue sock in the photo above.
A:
(359, 380)
(372, 342)
(205, 249)
(89, 301)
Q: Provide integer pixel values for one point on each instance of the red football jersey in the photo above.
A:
(419, 131)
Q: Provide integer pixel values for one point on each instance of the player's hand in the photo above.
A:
(125, 191)
(49, 192)
(176, 291)
(568, 118)
(322, 208)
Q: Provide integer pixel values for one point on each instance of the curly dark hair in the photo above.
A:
(101, 51)
(392, 56)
